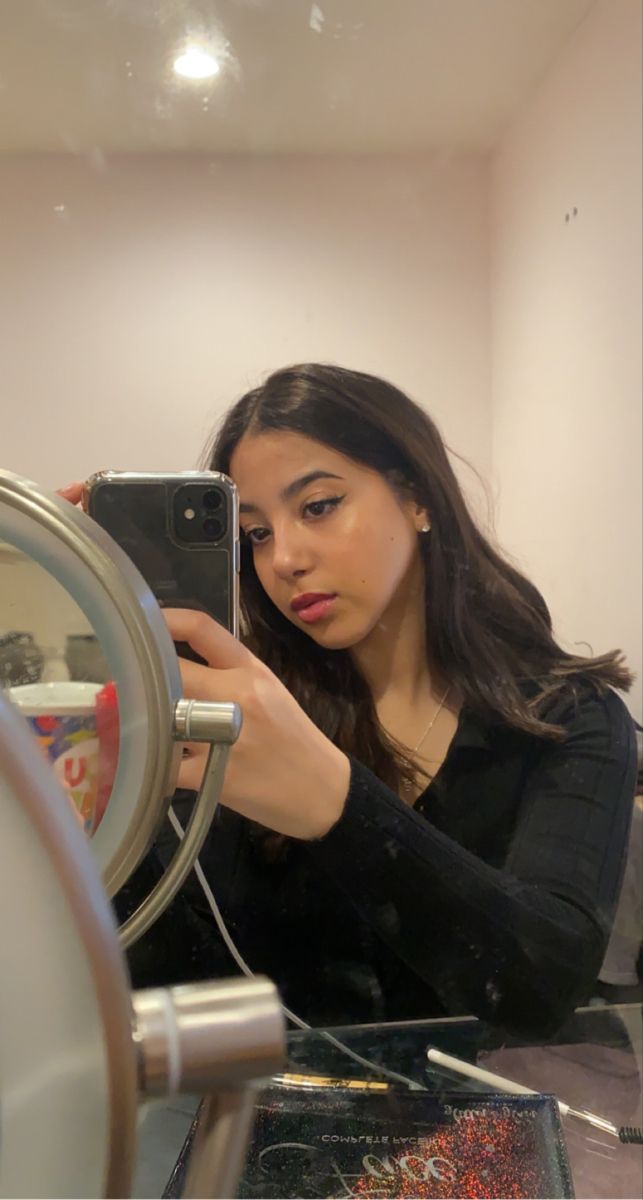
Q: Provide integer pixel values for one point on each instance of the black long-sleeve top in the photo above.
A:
(494, 895)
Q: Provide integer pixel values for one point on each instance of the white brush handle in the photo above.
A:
(500, 1084)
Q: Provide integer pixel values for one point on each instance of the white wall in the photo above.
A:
(32, 601)
(566, 331)
(140, 298)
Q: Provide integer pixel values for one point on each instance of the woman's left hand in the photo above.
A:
(282, 771)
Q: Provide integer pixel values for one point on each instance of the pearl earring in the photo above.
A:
(426, 527)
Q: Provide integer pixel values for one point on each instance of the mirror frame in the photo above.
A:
(135, 639)
(83, 930)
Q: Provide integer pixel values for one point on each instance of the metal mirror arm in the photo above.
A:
(194, 721)
(222, 1040)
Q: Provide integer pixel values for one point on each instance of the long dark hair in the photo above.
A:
(489, 630)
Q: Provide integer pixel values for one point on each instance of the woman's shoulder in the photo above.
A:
(578, 705)
(569, 704)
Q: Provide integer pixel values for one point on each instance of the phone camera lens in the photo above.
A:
(212, 527)
(212, 500)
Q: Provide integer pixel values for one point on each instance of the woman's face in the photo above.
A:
(334, 546)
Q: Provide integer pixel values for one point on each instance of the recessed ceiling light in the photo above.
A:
(196, 63)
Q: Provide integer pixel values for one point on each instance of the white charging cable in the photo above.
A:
(243, 966)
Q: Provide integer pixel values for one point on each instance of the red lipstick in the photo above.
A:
(313, 606)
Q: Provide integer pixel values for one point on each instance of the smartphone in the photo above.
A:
(182, 533)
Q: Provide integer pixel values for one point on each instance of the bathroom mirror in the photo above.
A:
(445, 193)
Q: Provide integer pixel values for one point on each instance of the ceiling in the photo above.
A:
(336, 76)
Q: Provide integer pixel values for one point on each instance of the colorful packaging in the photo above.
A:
(107, 729)
(62, 716)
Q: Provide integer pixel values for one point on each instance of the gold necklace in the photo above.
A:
(432, 722)
(407, 786)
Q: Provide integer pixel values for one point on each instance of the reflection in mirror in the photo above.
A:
(444, 194)
(54, 671)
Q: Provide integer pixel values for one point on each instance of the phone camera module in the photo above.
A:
(199, 514)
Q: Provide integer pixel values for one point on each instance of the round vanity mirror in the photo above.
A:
(91, 718)
(86, 657)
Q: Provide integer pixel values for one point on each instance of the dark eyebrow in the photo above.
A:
(293, 488)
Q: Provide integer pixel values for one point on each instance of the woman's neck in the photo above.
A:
(392, 658)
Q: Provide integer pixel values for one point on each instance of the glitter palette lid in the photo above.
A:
(340, 1142)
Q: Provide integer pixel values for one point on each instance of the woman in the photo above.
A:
(428, 806)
